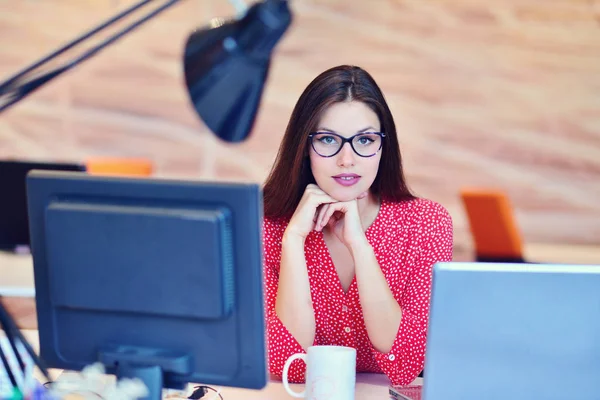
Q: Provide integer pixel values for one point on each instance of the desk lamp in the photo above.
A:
(226, 64)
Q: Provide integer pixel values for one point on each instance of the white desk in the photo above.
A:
(16, 275)
(16, 270)
(562, 254)
(17, 283)
(17, 287)
(368, 386)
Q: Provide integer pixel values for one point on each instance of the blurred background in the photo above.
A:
(501, 94)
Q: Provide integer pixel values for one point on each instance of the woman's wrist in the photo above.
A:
(360, 247)
(292, 238)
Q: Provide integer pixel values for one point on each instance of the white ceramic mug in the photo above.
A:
(330, 373)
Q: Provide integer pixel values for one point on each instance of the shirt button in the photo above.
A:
(391, 357)
(347, 329)
(344, 308)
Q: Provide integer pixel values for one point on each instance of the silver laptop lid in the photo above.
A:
(513, 331)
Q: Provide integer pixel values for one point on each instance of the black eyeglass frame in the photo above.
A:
(202, 390)
(344, 141)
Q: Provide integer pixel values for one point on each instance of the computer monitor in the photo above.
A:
(159, 279)
(14, 229)
(513, 331)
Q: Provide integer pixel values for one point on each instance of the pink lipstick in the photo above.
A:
(347, 179)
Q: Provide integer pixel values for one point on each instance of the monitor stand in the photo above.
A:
(147, 364)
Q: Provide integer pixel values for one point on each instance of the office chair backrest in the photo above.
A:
(119, 166)
(493, 226)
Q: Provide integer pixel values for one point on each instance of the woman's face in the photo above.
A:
(345, 175)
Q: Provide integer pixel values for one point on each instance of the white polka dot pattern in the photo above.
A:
(408, 238)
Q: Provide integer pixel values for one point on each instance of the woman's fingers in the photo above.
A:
(325, 206)
(322, 212)
(323, 198)
(334, 219)
(318, 202)
(333, 208)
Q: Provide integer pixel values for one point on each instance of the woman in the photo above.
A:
(348, 249)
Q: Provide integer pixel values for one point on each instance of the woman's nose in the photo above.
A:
(346, 156)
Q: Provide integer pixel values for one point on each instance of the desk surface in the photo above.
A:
(17, 282)
(16, 274)
(16, 270)
(368, 386)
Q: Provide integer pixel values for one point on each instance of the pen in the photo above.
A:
(9, 371)
(11, 329)
(16, 394)
(11, 339)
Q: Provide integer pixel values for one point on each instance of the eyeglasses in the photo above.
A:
(364, 144)
(200, 392)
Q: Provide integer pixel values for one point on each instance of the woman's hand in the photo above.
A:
(344, 221)
(304, 219)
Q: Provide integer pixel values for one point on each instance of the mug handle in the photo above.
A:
(284, 379)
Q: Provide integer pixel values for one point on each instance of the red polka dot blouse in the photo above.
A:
(407, 238)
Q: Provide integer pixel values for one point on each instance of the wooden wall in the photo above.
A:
(497, 93)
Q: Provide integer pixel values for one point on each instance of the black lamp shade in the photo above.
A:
(226, 68)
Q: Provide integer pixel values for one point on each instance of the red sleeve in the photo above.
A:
(403, 363)
(280, 342)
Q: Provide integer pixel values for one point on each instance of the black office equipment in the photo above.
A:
(14, 229)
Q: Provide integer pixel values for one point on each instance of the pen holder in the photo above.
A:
(17, 362)
(18, 383)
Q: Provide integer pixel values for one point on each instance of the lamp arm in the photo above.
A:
(36, 75)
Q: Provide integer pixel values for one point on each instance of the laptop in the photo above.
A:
(513, 331)
(14, 228)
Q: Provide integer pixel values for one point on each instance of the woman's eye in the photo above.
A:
(327, 140)
(364, 140)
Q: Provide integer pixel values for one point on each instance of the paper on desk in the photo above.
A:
(409, 392)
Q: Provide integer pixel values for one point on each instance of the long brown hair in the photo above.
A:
(291, 171)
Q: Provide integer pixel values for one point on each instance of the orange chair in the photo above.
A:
(493, 226)
(119, 166)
